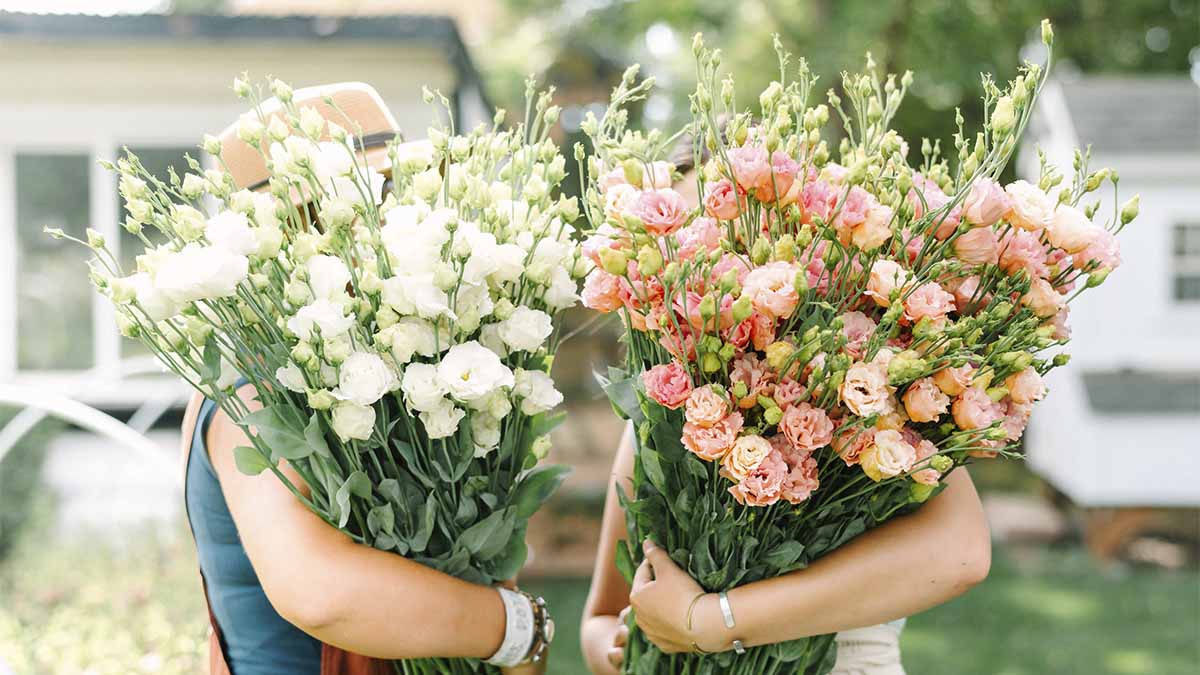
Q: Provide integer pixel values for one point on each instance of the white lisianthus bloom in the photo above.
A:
(355, 191)
(509, 260)
(489, 336)
(228, 376)
(200, 273)
(327, 276)
(514, 212)
(471, 304)
(153, 301)
(421, 386)
(526, 330)
(442, 420)
(415, 156)
(249, 128)
(416, 294)
(365, 377)
(470, 371)
(412, 336)
(292, 377)
(561, 293)
(337, 159)
(427, 183)
(485, 431)
(536, 391)
(352, 420)
(329, 317)
(270, 240)
(188, 222)
(266, 209)
(231, 231)
(481, 252)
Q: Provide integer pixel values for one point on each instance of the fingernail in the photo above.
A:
(647, 546)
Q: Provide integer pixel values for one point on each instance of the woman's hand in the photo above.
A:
(661, 598)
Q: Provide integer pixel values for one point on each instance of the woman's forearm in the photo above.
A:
(897, 569)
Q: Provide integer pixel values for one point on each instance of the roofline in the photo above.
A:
(439, 31)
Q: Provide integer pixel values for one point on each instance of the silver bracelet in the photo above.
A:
(518, 630)
(726, 610)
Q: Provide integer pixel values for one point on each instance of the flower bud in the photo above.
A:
(1061, 360)
(772, 416)
(708, 308)
(940, 463)
(321, 399)
(919, 492)
(241, 87)
(541, 447)
(95, 239)
(1047, 33)
(742, 309)
(906, 367)
(1129, 210)
(1096, 278)
(778, 354)
(1003, 116)
(634, 174)
(650, 260)
(710, 362)
(785, 248)
(760, 252)
(282, 90)
(614, 261)
(739, 389)
(303, 353)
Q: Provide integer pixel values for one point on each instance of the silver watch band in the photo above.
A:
(518, 630)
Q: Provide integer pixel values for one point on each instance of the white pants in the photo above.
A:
(874, 650)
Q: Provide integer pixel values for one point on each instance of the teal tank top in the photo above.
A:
(256, 640)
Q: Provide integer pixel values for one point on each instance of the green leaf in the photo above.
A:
(622, 393)
(428, 515)
(536, 487)
(625, 564)
(487, 536)
(467, 511)
(249, 460)
(315, 436)
(210, 362)
(283, 430)
(381, 519)
(653, 469)
(359, 485)
(545, 423)
(513, 557)
(390, 489)
(409, 454)
(784, 554)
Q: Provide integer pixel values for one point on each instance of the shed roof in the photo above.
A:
(1128, 115)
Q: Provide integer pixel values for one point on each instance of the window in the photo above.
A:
(54, 297)
(1185, 252)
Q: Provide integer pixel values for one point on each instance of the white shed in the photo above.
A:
(1121, 426)
(77, 88)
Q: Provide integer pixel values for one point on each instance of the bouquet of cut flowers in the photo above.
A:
(398, 334)
(816, 345)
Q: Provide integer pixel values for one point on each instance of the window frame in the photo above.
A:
(1185, 262)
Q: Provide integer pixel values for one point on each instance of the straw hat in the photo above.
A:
(357, 108)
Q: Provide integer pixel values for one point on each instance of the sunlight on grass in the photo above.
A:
(1055, 603)
(1130, 661)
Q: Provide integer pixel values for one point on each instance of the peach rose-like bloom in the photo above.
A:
(986, 203)
(885, 277)
(1026, 386)
(744, 457)
(929, 300)
(888, 455)
(978, 246)
(705, 407)
(754, 372)
(668, 384)
(601, 291)
(966, 295)
(772, 289)
(659, 175)
(858, 328)
(1023, 250)
(876, 229)
(852, 212)
(1029, 208)
(1043, 299)
(973, 409)
(702, 235)
(1070, 230)
(925, 449)
(806, 427)
(865, 390)
(924, 401)
(763, 485)
(751, 166)
(712, 442)
(1104, 251)
(788, 392)
(721, 200)
(802, 478)
(621, 200)
(1016, 418)
(953, 380)
(817, 200)
(662, 211)
(779, 182)
(849, 443)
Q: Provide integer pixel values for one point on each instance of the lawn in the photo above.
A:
(136, 608)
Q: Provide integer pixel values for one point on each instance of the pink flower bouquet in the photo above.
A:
(814, 345)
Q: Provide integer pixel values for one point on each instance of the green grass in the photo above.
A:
(67, 609)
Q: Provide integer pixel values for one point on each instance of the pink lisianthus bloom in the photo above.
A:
(914, 244)
(953, 380)
(925, 449)
(930, 200)
(687, 307)
(772, 289)
(663, 211)
(875, 230)
(763, 485)
(753, 372)
(739, 334)
(834, 173)
(680, 344)
(601, 291)
(1016, 418)
(779, 182)
(1043, 299)
(852, 212)
(888, 455)
(638, 292)
(1071, 230)
(606, 236)
(668, 384)
(705, 407)
(1104, 251)
(787, 392)
(929, 300)
(762, 331)
(815, 273)
(986, 203)
(885, 277)
(817, 200)
(806, 427)
(744, 457)
(973, 409)
(750, 165)
(621, 200)
(1029, 207)
(702, 234)
(857, 327)
(924, 401)
(802, 478)
(1023, 250)
(865, 390)
(712, 442)
(721, 200)
(1026, 386)
(659, 175)
(728, 262)
(849, 443)
(1062, 330)
(965, 295)
(977, 246)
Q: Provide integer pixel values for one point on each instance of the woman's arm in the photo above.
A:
(603, 631)
(902, 567)
(366, 601)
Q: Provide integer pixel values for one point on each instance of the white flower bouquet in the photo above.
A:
(398, 333)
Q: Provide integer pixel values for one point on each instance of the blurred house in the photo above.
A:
(78, 88)
(1120, 427)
